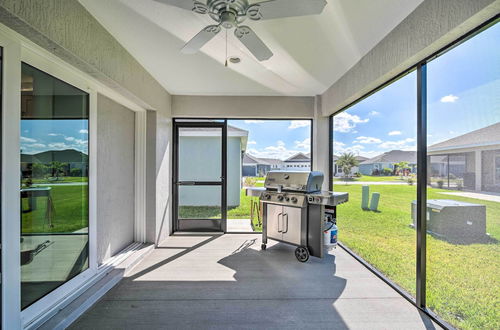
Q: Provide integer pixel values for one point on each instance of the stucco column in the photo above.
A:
(321, 144)
(478, 170)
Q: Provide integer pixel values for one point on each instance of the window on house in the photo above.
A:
(54, 183)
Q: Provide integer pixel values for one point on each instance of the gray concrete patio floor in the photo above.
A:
(227, 282)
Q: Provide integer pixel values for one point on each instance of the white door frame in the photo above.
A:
(17, 49)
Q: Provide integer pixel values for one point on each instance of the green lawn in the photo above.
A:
(63, 179)
(463, 281)
(71, 211)
(371, 178)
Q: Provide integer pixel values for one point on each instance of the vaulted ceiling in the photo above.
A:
(310, 52)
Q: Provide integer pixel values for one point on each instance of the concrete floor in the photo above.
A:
(239, 226)
(227, 282)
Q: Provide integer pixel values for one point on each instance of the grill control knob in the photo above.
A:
(294, 199)
(287, 199)
(280, 197)
(267, 196)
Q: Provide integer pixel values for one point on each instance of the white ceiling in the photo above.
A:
(310, 53)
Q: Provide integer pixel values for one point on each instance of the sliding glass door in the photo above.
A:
(199, 178)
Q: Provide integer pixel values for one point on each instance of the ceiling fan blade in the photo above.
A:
(254, 44)
(271, 9)
(191, 5)
(201, 39)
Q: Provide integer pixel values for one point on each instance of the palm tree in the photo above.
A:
(347, 161)
(402, 166)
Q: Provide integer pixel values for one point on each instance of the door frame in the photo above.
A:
(196, 225)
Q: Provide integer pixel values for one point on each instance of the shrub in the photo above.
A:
(375, 172)
(460, 185)
(386, 171)
(76, 172)
(411, 180)
(440, 184)
(358, 175)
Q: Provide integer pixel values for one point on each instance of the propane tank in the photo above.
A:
(330, 236)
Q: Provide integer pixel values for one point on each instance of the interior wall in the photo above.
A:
(430, 27)
(115, 177)
(242, 106)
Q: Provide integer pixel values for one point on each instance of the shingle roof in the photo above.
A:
(488, 135)
(251, 160)
(300, 157)
(394, 156)
(272, 161)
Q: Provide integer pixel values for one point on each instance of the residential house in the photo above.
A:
(337, 170)
(205, 142)
(253, 166)
(72, 159)
(388, 160)
(298, 162)
(471, 160)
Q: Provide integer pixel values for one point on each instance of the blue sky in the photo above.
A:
(276, 138)
(463, 95)
(42, 135)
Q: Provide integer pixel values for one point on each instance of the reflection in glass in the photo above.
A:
(54, 183)
(375, 145)
(463, 218)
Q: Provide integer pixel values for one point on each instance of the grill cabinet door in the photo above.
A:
(292, 224)
(274, 221)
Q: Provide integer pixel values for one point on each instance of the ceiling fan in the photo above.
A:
(232, 13)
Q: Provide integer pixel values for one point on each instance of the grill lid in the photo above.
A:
(306, 182)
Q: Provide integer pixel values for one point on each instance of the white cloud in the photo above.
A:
(277, 151)
(81, 142)
(345, 122)
(306, 144)
(254, 121)
(374, 113)
(69, 138)
(367, 140)
(27, 140)
(392, 133)
(401, 144)
(54, 134)
(449, 98)
(84, 131)
(37, 145)
(251, 142)
(59, 145)
(299, 123)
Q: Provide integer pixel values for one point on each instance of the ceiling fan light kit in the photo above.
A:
(229, 14)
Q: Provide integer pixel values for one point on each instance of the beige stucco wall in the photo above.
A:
(242, 106)
(430, 27)
(115, 177)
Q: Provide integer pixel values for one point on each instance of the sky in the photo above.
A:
(279, 139)
(463, 87)
(42, 135)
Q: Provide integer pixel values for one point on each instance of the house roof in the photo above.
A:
(489, 135)
(300, 157)
(394, 156)
(252, 160)
(232, 131)
(272, 161)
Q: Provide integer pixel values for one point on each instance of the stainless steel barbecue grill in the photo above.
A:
(295, 210)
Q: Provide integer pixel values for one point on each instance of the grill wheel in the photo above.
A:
(302, 254)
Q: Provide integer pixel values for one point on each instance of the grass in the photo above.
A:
(463, 281)
(371, 178)
(71, 211)
(63, 179)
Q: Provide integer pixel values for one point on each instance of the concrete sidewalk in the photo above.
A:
(227, 282)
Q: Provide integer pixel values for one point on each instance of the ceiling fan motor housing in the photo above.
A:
(228, 13)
